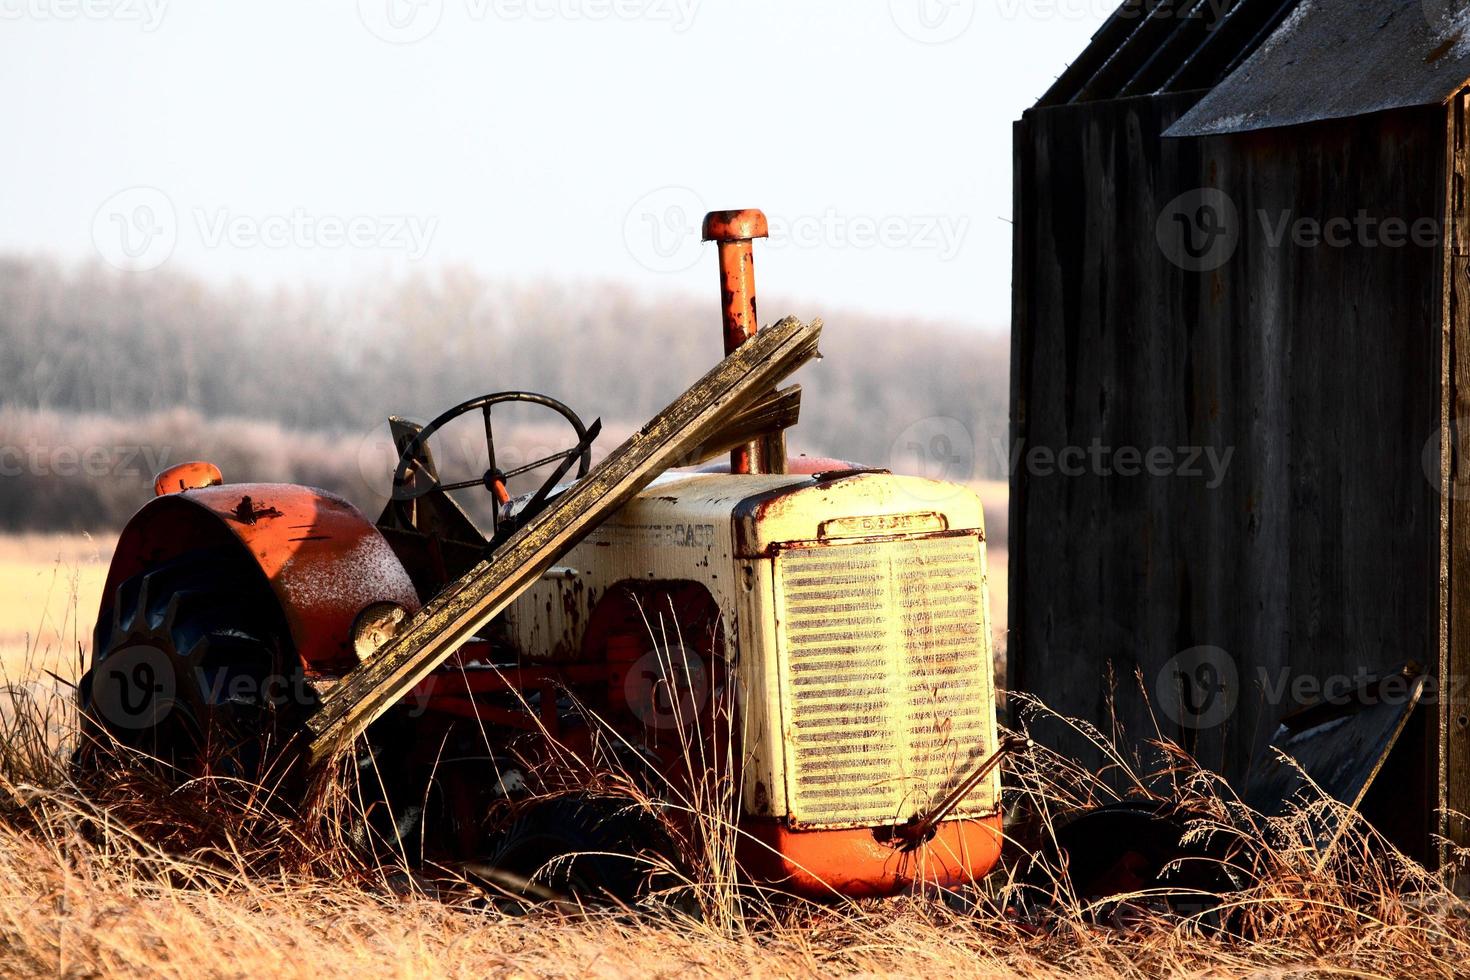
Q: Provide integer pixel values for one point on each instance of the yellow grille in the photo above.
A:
(887, 678)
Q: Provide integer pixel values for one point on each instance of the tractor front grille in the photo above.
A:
(887, 687)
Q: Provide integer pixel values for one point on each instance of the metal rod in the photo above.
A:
(919, 828)
(735, 232)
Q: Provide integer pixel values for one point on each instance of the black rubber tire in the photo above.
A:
(592, 850)
(1128, 847)
(194, 668)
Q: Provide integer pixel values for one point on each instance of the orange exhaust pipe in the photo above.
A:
(735, 233)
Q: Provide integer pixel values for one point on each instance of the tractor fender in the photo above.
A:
(324, 560)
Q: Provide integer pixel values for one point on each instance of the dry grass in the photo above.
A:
(98, 921)
(83, 895)
(187, 888)
(50, 588)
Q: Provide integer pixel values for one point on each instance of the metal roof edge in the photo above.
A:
(1338, 61)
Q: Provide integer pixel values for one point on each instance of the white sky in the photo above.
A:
(532, 137)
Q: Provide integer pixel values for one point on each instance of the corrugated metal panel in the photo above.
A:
(1334, 60)
(1154, 46)
(888, 678)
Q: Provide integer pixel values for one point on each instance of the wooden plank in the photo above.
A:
(1024, 177)
(767, 419)
(1452, 728)
(671, 438)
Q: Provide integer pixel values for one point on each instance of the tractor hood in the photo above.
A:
(768, 511)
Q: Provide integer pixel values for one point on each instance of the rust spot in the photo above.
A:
(1444, 48)
(762, 798)
(570, 606)
(248, 512)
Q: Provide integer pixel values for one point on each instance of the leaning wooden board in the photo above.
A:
(673, 437)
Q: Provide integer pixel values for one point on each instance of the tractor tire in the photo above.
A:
(582, 850)
(194, 670)
(1132, 848)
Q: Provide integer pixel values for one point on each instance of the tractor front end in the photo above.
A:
(846, 629)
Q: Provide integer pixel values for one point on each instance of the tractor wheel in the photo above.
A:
(1138, 853)
(586, 851)
(194, 669)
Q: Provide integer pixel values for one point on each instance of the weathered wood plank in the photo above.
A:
(767, 419)
(1452, 723)
(1023, 171)
(670, 438)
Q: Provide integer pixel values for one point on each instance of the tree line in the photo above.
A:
(284, 382)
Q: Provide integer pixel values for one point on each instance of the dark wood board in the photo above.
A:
(1453, 715)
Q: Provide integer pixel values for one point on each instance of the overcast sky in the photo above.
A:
(334, 140)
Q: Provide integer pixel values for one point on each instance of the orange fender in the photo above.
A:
(325, 561)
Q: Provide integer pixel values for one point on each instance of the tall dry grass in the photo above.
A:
(135, 878)
(83, 893)
(50, 588)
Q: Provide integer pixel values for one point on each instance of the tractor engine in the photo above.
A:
(844, 616)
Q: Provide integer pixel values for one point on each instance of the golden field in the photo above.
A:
(117, 889)
(50, 587)
(136, 887)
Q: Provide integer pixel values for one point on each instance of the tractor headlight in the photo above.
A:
(374, 627)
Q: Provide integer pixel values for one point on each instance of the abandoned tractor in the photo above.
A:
(809, 638)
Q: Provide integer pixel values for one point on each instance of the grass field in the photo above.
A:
(131, 887)
(175, 884)
(50, 586)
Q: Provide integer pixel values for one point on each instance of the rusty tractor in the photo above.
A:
(808, 635)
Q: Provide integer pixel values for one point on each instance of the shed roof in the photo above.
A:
(1268, 63)
(1332, 59)
(1150, 47)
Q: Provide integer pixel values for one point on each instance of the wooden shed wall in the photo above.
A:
(1320, 368)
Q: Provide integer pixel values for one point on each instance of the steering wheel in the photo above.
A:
(494, 479)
